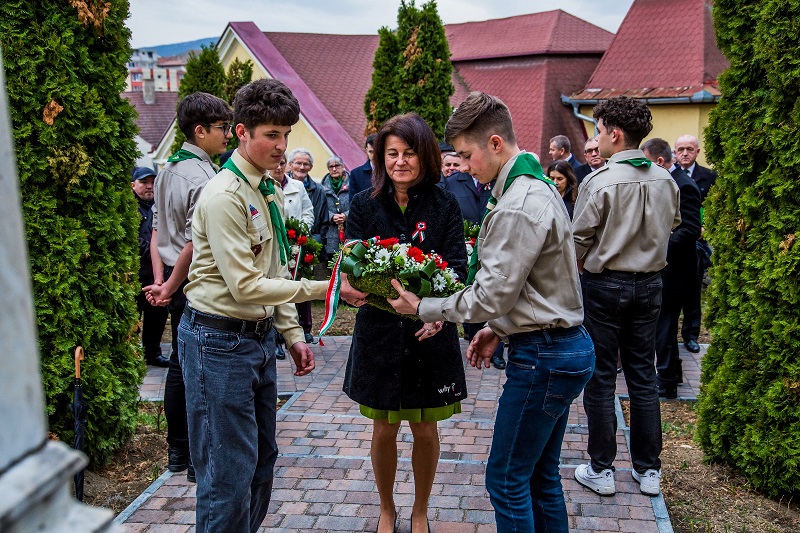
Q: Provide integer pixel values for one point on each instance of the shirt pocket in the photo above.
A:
(259, 231)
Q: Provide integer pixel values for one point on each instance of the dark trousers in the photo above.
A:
(690, 330)
(174, 388)
(470, 329)
(304, 315)
(621, 314)
(154, 319)
(679, 278)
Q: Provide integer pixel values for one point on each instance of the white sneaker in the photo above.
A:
(600, 482)
(649, 482)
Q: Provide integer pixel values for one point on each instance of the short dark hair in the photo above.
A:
(201, 109)
(370, 140)
(562, 142)
(413, 129)
(561, 166)
(479, 117)
(630, 115)
(265, 101)
(657, 147)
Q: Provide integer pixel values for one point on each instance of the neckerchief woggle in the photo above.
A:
(525, 165)
(267, 188)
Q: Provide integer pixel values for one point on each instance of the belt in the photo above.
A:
(234, 325)
(618, 274)
(545, 333)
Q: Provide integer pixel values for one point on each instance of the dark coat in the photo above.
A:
(704, 178)
(471, 202)
(682, 241)
(572, 160)
(388, 367)
(360, 179)
(582, 171)
(568, 203)
(145, 234)
(338, 203)
(317, 196)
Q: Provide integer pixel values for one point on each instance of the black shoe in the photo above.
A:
(669, 393)
(178, 459)
(309, 338)
(498, 362)
(692, 346)
(190, 477)
(279, 353)
(157, 360)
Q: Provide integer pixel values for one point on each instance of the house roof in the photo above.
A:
(549, 32)
(662, 50)
(154, 119)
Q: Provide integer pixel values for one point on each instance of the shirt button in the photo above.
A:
(402, 237)
(400, 324)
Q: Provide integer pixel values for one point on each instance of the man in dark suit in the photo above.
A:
(472, 198)
(594, 160)
(680, 275)
(560, 148)
(687, 149)
(361, 177)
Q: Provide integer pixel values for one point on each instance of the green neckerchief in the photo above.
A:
(267, 188)
(182, 155)
(336, 185)
(637, 161)
(525, 165)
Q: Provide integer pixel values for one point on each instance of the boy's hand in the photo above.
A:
(303, 358)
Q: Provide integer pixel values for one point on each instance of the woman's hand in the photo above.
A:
(352, 296)
(429, 329)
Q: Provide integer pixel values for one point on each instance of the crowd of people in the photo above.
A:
(577, 271)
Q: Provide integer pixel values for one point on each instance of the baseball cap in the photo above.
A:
(140, 173)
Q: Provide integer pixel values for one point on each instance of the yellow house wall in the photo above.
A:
(302, 134)
(670, 121)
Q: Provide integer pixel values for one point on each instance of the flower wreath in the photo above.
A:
(305, 251)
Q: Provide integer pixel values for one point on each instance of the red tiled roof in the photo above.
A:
(549, 32)
(154, 119)
(662, 50)
(173, 61)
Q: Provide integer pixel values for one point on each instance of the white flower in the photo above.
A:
(295, 249)
(292, 263)
(382, 257)
(439, 281)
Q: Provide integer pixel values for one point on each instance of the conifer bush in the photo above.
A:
(749, 407)
(73, 134)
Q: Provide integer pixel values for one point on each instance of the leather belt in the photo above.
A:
(234, 325)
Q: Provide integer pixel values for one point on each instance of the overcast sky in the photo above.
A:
(155, 22)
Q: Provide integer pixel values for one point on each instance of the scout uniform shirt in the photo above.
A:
(528, 278)
(236, 269)
(624, 215)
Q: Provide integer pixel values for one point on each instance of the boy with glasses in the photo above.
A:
(205, 120)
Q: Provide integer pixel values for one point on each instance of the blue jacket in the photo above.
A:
(360, 179)
(471, 202)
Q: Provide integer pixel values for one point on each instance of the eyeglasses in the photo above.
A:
(590, 150)
(226, 128)
(331, 167)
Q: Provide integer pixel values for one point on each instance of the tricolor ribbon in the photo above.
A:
(350, 264)
(297, 262)
(420, 231)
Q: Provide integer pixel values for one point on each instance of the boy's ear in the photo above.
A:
(199, 131)
(496, 143)
(239, 130)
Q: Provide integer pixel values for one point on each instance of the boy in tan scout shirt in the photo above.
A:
(527, 289)
(239, 287)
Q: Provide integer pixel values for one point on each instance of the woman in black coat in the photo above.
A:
(560, 171)
(399, 368)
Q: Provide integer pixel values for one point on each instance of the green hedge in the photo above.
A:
(73, 133)
(749, 407)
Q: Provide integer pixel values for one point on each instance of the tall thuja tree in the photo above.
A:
(749, 409)
(381, 102)
(73, 134)
(423, 79)
(204, 73)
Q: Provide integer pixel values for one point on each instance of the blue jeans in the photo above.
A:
(546, 371)
(231, 397)
(622, 311)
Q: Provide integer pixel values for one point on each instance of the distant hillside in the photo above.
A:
(165, 50)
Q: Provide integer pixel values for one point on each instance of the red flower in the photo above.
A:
(440, 263)
(301, 240)
(308, 258)
(292, 234)
(416, 254)
(386, 243)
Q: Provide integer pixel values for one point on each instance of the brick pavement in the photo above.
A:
(324, 479)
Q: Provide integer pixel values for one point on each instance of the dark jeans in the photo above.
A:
(546, 371)
(174, 388)
(154, 319)
(621, 314)
(470, 329)
(231, 401)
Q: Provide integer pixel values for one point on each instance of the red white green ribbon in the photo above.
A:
(420, 231)
(335, 285)
(297, 262)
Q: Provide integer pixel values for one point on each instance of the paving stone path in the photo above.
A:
(324, 479)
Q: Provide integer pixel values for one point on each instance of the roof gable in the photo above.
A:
(155, 118)
(667, 47)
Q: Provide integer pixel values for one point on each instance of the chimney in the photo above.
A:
(149, 88)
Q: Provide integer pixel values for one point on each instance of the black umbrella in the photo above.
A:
(78, 410)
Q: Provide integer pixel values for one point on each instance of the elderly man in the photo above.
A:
(591, 150)
(560, 148)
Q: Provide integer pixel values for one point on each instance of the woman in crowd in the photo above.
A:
(562, 174)
(337, 194)
(399, 368)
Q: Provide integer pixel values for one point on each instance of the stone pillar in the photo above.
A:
(35, 474)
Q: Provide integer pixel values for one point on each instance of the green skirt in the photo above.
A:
(432, 414)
